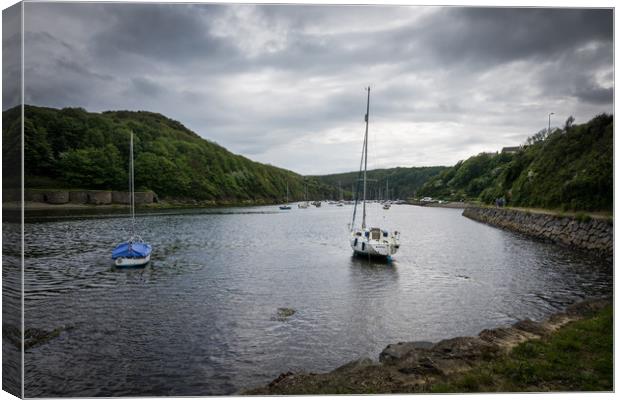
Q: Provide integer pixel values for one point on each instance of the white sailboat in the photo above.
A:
(341, 201)
(371, 241)
(304, 204)
(134, 252)
(387, 204)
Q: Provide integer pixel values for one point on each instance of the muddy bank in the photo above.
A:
(408, 367)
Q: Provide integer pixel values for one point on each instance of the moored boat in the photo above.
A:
(286, 206)
(370, 241)
(134, 252)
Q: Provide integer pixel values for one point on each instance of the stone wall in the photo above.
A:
(97, 197)
(590, 234)
(120, 197)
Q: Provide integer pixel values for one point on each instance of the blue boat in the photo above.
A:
(286, 206)
(134, 252)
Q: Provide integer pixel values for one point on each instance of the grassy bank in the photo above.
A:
(578, 357)
(570, 351)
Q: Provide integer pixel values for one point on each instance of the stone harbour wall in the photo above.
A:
(97, 197)
(586, 233)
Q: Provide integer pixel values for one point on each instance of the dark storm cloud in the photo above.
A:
(484, 35)
(167, 33)
(279, 81)
(591, 92)
(11, 56)
(146, 87)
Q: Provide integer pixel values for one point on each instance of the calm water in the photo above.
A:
(202, 317)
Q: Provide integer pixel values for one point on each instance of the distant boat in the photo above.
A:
(387, 203)
(286, 206)
(373, 241)
(134, 252)
(316, 203)
(304, 204)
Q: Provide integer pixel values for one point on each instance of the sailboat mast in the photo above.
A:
(365, 158)
(387, 188)
(131, 187)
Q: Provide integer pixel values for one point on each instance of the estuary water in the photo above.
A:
(202, 317)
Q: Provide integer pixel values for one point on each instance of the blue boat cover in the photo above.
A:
(131, 250)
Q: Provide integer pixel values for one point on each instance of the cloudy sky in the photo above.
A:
(284, 84)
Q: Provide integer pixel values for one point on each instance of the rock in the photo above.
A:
(465, 348)
(422, 366)
(587, 307)
(284, 313)
(32, 336)
(505, 338)
(536, 328)
(395, 352)
(356, 364)
(280, 378)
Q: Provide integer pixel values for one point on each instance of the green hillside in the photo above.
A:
(73, 148)
(570, 169)
(402, 182)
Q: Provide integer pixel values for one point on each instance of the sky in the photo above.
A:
(285, 84)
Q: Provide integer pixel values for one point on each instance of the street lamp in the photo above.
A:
(549, 129)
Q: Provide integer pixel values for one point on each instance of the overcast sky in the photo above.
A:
(284, 85)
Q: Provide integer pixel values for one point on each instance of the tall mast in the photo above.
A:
(131, 188)
(387, 188)
(366, 158)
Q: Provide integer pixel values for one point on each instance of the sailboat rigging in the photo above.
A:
(286, 206)
(373, 241)
(304, 204)
(134, 252)
(386, 202)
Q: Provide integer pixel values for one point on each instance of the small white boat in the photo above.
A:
(304, 204)
(387, 203)
(374, 241)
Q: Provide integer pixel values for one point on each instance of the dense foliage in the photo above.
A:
(569, 168)
(402, 183)
(72, 148)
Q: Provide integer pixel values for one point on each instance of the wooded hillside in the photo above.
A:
(569, 168)
(73, 148)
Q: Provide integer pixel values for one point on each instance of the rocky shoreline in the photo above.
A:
(408, 367)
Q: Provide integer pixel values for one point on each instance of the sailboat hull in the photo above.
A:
(385, 246)
(131, 254)
(126, 262)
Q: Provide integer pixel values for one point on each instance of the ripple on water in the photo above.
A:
(199, 319)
